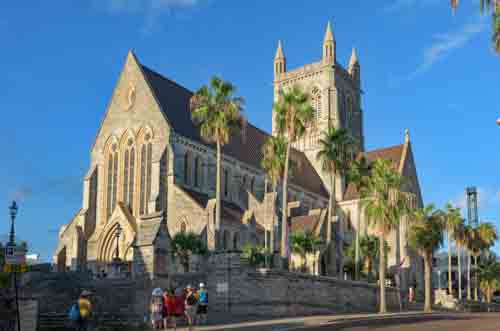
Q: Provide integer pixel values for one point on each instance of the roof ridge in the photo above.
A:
(384, 148)
(166, 78)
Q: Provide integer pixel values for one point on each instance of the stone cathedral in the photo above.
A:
(151, 175)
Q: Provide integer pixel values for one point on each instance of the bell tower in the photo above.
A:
(335, 95)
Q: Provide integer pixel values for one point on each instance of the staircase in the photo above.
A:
(101, 322)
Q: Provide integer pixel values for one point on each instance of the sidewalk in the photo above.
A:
(285, 324)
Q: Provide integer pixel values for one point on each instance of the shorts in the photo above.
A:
(191, 311)
(202, 310)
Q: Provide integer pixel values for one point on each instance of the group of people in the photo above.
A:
(168, 307)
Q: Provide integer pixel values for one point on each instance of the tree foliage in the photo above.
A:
(255, 255)
(184, 245)
(304, 243)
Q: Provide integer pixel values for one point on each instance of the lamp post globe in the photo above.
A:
(498, 121)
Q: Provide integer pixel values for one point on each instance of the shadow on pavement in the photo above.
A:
(388, 321)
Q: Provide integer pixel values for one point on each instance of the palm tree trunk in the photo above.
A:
(329, 233)
(356, 253)
(381, 278)
(428, 284)
(469, 296)
(459, 260)
(218, 197)
(476, 294)
(450, 285)
(284, 212)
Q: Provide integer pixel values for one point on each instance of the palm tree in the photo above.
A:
(369, 252)
(385, 205)
(426, 236)
(489, 275)
(470, 242)
(219, 114)
(273, 162)
(184, 245)
(358, 175)
(255, 255)
(336, 147)
(485, 237)
(452, 219)
(486, 6)
(304, 243)
(293, 112)
(460, 237)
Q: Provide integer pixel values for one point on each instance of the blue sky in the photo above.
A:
(422, 68)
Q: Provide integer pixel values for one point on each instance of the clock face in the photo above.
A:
(130, 97)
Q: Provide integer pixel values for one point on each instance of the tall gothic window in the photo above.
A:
(348, 111)
(187, 168)
(226, 183)
(316, 103)
(145, 176)
(197, 173)
(112, 180)
(129, 174)
(252, 185)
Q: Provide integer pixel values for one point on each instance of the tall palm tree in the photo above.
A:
(273, 162)
(293, 112)
(487, 6)
(304, 243)
(470, 242)
(426, 236)
(452, 218)
(219, 114)
(489, 275)
(460, 237)
(485, 237)
(336, 147)
(385, 204)
(358, 175)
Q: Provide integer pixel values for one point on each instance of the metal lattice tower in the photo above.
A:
(472, 214)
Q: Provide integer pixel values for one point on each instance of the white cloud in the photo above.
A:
(446, 43)
(152, 10)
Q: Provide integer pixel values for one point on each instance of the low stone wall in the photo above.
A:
(233, 286)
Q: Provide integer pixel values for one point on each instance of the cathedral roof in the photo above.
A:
(174, 101)
(394, 154)
(305, 223)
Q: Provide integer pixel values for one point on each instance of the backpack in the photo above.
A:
(191, 300)
(74, 312)
(203, 297)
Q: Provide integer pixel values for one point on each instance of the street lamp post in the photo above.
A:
(13, 213)
(439, 278)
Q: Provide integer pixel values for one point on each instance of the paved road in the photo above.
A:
(456, 322)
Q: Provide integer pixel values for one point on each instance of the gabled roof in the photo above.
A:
(305, 223)
(394, 154)
(174, 101)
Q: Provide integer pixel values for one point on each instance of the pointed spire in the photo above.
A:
(329, 34)
(407, 136)
(354, 58)
(279, 51)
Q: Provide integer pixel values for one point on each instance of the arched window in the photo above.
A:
(348, 221)
(316, 103)
(226, 183)
(252, 185)
(187, 168)
(236, 239)
(112, 180)
(225, 240)
(145, 176)
(197, 172)
(129, 174)
(183, 227)
(348, 111)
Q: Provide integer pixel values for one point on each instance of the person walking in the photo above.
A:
(202, 311)
(191, 306)
(156, 308)
(83, 311)
(169, 309)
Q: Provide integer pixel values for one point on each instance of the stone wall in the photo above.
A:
(238, 289)
(234, 288)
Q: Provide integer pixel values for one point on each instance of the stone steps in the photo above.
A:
(103, 321)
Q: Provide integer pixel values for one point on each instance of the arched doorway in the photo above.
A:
(110, 246)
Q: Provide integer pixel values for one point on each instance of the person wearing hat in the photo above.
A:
(191, 306)
(202, 304)
(85, 308)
